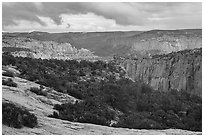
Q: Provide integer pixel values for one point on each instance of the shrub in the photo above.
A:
(86, 112)
(9, 82)
(93, 118)
(75, 93)
(145, 89)
(138, 121)
(54, 115)
(38, 91)
(17, 117)
(115, 96)
(58, 107)
(8, 59)
(8, 74)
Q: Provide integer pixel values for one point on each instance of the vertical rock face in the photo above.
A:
(181, 71)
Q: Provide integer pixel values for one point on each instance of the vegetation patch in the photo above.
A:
(9, 82)
(8, 74)
(38, 91)
(17, 117)
(89, 111)
(141, 108)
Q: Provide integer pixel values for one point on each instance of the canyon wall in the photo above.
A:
(134, 43)
(179, 70)
(45, 49)
(150, 43)
(166, 42)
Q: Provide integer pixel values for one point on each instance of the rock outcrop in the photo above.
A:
(179, 70)
(45, 49)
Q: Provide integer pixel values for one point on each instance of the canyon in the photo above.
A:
(27, 47)
(163, 59)
(166, 60)
(128, 43)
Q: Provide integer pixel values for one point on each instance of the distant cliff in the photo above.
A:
(27, 47)
(134, 43)
(154, 42)
(179, 70)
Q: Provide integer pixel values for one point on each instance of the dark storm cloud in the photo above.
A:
(123, 13)
(19, 11)
(31, 11)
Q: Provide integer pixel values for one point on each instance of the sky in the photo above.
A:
(100, 16)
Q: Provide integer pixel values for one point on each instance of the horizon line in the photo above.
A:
(100, 31)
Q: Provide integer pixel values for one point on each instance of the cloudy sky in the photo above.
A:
(67, 16)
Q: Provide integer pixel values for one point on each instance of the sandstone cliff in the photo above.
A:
(44, 49)
(181, 71)
(160, 42)
(134, 43)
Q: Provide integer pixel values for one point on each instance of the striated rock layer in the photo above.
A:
(44, 49)
(180, 71)
(163, 42)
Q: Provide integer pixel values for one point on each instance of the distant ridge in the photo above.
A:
(127, 43)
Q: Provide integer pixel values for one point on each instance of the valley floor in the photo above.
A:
(43, 106)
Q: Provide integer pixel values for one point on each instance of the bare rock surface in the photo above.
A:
(180, 70)
(27, 47)
(21, 96)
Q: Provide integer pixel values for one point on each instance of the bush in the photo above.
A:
(145, 89)
(17, 117)
(9, 82)
(58, 107)
(38, 91)
(138, 121)
(89, 111)
(54, 115)
(94, 119)
(8, 74)
(75, 93)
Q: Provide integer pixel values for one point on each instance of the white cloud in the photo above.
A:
(86, 22)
